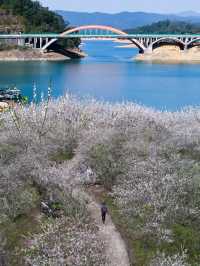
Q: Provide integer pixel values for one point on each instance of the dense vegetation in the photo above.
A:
(10, 23)
(148, 163)
(167, 26)
(30, 16)
(35, 17)
(40, 168)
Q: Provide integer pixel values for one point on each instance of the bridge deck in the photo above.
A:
(127, 36)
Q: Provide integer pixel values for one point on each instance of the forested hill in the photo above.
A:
(125, 20)
(167, 26)
(30, 15)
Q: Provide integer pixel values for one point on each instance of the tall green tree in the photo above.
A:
(36, 17)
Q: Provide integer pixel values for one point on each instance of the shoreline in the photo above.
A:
(16, 55)
(10, 59)
(167, 54)
(169, 61)
(170, 55)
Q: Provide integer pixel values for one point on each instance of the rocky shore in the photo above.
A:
(171, 54)
(30, 55)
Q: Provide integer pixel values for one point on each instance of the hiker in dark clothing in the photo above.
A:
(104, 211)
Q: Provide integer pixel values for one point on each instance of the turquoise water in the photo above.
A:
(110, 74)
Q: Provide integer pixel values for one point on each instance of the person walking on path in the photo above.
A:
(104, 211)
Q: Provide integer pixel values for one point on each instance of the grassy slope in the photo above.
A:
(16, 230)
(142, 247)
(70, 122)
(28, 223)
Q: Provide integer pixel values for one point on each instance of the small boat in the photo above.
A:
(10, 94)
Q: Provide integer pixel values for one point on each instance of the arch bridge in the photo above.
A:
(146, 43)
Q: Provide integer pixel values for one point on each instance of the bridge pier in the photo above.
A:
(20, 42)
(35, 43)
(40, 43)
(149, 49)
(186, 47)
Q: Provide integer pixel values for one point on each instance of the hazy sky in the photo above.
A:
(165, 6)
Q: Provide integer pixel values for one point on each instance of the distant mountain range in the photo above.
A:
(189, 14)
(167, 27)
(125, 20)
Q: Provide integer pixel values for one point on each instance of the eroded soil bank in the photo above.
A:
(171, 54)
(30, 55)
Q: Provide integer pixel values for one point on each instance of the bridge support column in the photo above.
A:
(186, 44)
(35, 43)
(40, 43)
(23, 42)
(19, 42)
(185, 47)
(149, 49)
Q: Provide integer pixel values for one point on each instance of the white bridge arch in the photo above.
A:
(94, 27)
(145, 42)
(168, 40)
(98, 29)
(191, 42)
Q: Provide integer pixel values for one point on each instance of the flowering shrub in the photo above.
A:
(148, 160)
(66, 242)
(29, 139)
(175, 260)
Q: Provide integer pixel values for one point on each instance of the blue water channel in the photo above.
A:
(109, 73)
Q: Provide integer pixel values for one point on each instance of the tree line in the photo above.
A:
(36, 18)
(168, 27)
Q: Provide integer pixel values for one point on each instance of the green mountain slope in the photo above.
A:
(34, 17)
(10, 23)
(168, 26)
(30, 16)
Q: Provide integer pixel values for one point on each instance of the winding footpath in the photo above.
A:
(115, 246)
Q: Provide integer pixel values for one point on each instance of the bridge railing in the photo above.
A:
(93, 35)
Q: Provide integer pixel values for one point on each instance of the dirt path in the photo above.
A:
(115, 247)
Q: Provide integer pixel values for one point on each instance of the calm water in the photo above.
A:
(110, 74)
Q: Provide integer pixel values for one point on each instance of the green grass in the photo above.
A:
(190, 154)
(16, 229)
(142, 247)
(188, 236)
(185, 238)
(62, 156)
(16, 232)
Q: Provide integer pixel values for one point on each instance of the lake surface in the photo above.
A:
(110, 74)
